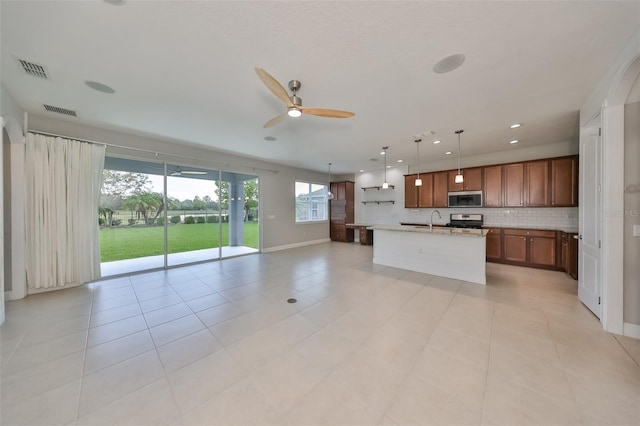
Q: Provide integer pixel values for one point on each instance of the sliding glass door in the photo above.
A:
(193, 215)
(203, 215)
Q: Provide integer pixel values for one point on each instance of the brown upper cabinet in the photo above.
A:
(537, 183)
(440, 189)
(410, 192)
(492, 186)
(472, 180)
(418, 196)
(513, 185)
(564, 182)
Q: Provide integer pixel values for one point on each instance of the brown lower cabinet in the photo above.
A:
(494, 244)
(526, 247)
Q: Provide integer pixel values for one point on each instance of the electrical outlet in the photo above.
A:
(636, 230)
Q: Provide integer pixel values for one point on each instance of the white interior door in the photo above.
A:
(590, 210)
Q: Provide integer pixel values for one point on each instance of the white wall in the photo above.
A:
(13, 198)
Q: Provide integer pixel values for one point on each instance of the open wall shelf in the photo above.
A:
(364, 188)
(379, 202)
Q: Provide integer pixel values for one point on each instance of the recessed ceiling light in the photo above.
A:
(400, 161)
(515, 125)
(449, 63)
(270, 138)
(436, 142)
(99, 87)
(382, 153)
(514, 141)
(388, 167)
(361, 171)
(448, 153)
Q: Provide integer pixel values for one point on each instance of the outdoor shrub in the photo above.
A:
(100, 221)
(189, 220)
(200, 219)
(116, 222)
(212, 219)
(175, 219)
(160, 221)
(132, 221)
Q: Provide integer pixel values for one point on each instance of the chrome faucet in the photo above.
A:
(431, 223)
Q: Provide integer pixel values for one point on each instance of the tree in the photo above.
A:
(145, 203)
(121, 184)
(250, 196)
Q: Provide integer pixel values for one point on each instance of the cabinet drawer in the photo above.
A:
(530, 233)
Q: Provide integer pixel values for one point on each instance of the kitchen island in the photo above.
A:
(446, 252)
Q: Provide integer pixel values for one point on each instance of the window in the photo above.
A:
(311, 202)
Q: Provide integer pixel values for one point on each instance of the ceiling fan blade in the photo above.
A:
(273, 85)
(323, 112)
(275, 120)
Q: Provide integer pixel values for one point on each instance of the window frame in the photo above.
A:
(310, 204)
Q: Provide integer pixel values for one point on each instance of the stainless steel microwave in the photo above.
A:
(465, 199)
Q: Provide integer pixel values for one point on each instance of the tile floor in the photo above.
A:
(217, 343)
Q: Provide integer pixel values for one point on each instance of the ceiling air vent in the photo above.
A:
(34, 69)
(59, 110)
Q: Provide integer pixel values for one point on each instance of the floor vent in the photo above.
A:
(34, 69)
(59, 110)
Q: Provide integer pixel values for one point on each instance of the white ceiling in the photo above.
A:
(185, 70)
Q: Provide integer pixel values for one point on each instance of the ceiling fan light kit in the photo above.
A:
(293, 102)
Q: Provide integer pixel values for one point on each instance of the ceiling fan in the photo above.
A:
(293, 102)
(179, 172)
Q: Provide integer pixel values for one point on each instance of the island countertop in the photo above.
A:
(458, 232)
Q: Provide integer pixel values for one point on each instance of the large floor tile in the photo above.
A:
(507, 403)
(329, 403)
(420, 403)
(116, 381)
(241, 404)
(201, 380)
(57, 406)
(152, 404)
(176, 329)
(117, 350)
(177, 354)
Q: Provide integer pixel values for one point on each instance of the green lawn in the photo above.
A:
(128, 242)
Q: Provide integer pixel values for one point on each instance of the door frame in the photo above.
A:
(613, 197)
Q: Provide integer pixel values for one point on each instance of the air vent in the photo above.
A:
(34, 69)
(59, 110)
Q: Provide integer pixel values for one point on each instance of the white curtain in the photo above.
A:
(63, 180)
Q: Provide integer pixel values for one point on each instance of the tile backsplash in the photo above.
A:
(555, 217)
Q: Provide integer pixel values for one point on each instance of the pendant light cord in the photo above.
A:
(458, 132)
(418, 149)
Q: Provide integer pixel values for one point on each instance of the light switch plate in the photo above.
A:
(636, 230)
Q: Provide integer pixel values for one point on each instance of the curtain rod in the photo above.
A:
(146, 150)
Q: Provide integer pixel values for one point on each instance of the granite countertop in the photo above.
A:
(569, 230)
(458, 232)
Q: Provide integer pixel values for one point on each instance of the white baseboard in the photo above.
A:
(631, 330)
(295, 245)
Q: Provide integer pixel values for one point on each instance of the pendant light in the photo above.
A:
(385, 184)
(329, 194)
(459, 178)
(418, 180)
